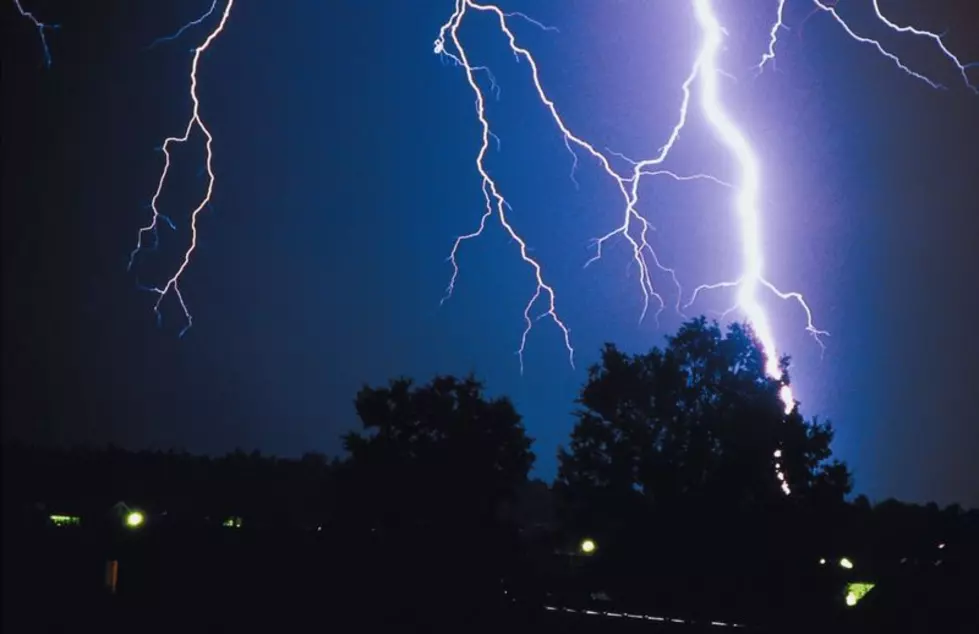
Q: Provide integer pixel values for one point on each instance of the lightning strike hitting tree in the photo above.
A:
(701, 87)
(702, 81)
(195, 122)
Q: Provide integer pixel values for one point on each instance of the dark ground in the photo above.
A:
(229, 580)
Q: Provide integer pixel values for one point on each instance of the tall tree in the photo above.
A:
(441, 452)
(696, 422)
(427, 481)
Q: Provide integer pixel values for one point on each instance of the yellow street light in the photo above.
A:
(134, 519)
(856, 591)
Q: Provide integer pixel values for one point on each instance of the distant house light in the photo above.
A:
(587, 546)
(232, 522)
(135, 519)
(846, 563)
(856, 591)
(65, 520)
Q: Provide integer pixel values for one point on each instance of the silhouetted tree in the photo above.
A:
(428, 481)
(673, 460)
(437, 453)
(695, 423)
(184, 489)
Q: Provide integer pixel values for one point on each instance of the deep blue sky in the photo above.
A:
(344, 155)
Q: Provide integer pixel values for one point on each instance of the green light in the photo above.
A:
(135, 519)
(65, 520)
(846, 563)
(856, 591)
(232, 522)
(587, 546)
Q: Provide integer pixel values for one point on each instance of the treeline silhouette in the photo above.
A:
(674, 471)
(269, 491)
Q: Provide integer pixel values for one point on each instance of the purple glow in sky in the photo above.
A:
(347, 254)
(703, 81)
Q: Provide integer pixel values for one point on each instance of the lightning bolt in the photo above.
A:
(773, 36)
(746, 199)
(831, 9)
(195, 121)
(962, 68)
(41, 28)
(747, 206)
(634, 227)
(180, 31)
(757, 317)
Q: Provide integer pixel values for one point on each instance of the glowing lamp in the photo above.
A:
(856, 591)
(587, 546)
(65, 520)
(134, 519)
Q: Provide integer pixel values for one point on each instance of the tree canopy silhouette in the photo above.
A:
(428, 481)
(441, 452)
(697, 422)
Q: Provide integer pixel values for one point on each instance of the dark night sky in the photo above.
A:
(344, 157)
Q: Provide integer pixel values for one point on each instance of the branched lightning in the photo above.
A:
(963, 68)
(635, 227)
(773, 36)
(496, 203)
(876, 44)
(822, 6)
(41, 28)
(747, 206)
(704, 72)
(758, 320)
(180, 31)
(195, 121)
